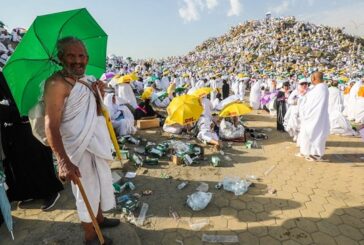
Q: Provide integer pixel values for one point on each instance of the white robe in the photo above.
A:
(205, 132)
(123, 125)
(125, 92)
(255, 95)
(352, 101)
(359, 110)
(228, 131)
(207, 107)
(241, 90)
(291, 119)
(315, 125)
(87, 143)
(338, 123)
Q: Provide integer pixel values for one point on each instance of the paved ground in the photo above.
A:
(314, 203)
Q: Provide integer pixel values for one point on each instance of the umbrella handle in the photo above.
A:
(89, 209)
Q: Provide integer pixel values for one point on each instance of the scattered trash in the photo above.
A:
(124, 154)
(215, 161)
(173, 213)
(147, 192)
(269, 170)
(179, 241)
(127, 185)
(268, 129)
(132, 140)
(222, 152)
(199, 224)
(115, 177)
(127, 203)
(182, 185)
(199, 200)
(220, 238)
(165, 176)
(151, 161)
(234, 184)
(227, 158)
(141, 218)
(130, 175)
(139, 150)
(218, 186)
(138, 160)
(204, 187)
(251, 177)
(116, 188)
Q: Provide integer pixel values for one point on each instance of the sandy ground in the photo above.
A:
(314, 203)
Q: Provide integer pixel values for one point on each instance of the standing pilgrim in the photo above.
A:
(255, 95)
(338, 123)
(78, 135)
(315, 125)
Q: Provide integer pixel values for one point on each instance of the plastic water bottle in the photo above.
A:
(141, 218)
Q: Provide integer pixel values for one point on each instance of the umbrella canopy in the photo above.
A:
(235, 109)
(35, 58)
(147, 93)
(201, 92)
(184, 109)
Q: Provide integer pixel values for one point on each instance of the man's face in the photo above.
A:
(74, 59)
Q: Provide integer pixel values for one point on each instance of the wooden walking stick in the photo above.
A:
(89, 209)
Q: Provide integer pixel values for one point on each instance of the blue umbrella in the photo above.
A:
(5, 205)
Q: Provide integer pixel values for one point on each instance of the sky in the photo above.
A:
(160, 28)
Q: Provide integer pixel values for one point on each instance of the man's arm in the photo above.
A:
(55, 93)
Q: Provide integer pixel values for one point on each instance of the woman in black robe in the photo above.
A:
(281, 105)
(28, 165)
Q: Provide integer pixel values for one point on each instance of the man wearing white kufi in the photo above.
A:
(78, 135)
(125, 92)
(315, 125)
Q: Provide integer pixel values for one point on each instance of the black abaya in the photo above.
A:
(281, 110)
(28, 164)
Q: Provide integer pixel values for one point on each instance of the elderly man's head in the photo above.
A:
(73, 55)
(317, 77)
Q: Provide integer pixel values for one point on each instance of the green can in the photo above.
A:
(124, 154)
(151, 161)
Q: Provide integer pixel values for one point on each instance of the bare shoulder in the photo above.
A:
(56, 84)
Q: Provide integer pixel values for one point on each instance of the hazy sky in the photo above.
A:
(158, 28)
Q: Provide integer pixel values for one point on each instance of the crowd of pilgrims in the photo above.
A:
(280, 97)
(266, 64)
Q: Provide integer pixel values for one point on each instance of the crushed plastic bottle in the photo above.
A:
(204, 187)
(220, 238)
(141, 218)
(234, 184)
(199, 200)
(182, 185)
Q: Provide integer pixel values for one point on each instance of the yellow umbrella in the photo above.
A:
(235, 109)
(201, 92)
(147, 93)
(343, 78)
(184, 109)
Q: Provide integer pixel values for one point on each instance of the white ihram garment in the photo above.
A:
(87, 144)
(338, 123)
(315, 125)
(255, 95)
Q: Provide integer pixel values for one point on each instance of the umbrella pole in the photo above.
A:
(94, 221)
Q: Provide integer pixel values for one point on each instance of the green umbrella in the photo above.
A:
(35, 58)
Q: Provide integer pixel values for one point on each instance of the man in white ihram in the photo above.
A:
(78, 136)
(315, 125)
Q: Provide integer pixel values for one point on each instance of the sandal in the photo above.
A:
(310, 159)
